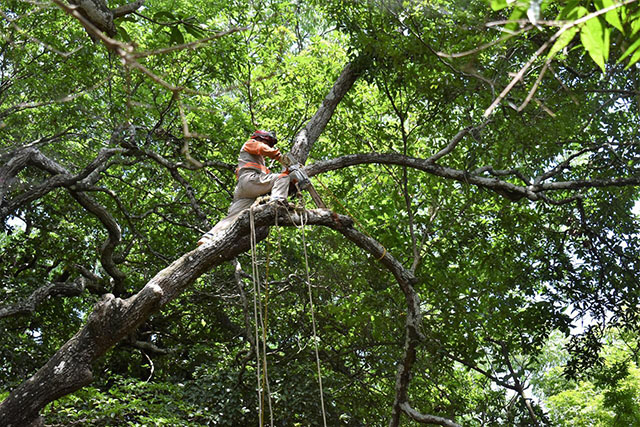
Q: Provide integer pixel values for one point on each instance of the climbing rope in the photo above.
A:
(258, 319)
(264, 323)
(313, 317)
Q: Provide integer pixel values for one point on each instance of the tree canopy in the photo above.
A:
(480, 162)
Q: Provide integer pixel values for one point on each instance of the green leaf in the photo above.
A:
(195, 31)
(635, 24)
(572, 11)
(158, 16)
(176, 36)
(633, 60)
(498, 4)
(123, 34)
(592, 38)
(562, 41)
(630, 50)
(613, 16)
(517, 13)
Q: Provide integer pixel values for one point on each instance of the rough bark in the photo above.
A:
(42, 294)
(97, 12)
(304, 140)
(531, 191)
(113, 318)
(425, 418)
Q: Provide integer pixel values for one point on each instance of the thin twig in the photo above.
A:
(484, 46)
(35, 40)
(535, 85)
(544, 47)
(191, 45)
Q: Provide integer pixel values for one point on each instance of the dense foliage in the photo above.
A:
(524, 232)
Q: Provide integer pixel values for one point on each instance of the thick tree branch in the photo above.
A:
(426, 419)
(149, 346)
(304, 140)
(108, 246)
(97, 12)
(126, 9)
(42, 294)
(31, 156)
(114, 318)
(507, 189)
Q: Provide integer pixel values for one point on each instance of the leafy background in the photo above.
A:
(554, 288)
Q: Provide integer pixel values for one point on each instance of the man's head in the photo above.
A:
(268, 137)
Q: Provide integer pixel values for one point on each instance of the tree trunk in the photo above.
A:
(113, 318)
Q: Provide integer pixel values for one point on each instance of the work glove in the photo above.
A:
(285, 161)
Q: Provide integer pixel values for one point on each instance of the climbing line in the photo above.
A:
(255, 309)
(313, 317)
(264, 323)
(258, 319)
(355, 219)
(261, 316)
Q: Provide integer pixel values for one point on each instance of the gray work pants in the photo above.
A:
(251, 185)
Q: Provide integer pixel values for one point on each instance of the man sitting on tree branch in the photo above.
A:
(254, 179)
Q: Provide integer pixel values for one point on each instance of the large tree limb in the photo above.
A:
(42, 294)
(31, 156)
(114, 318)
(304, 140)
(97, 12)
(425, 418)
(507, 189)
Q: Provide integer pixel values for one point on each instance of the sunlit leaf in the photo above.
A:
(593, 40)
(635, 45)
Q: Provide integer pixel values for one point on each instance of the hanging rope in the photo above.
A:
(264, 323)
(258, 320)
(255, 308)
(313, 317)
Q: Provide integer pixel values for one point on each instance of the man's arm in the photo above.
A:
(259, 148)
